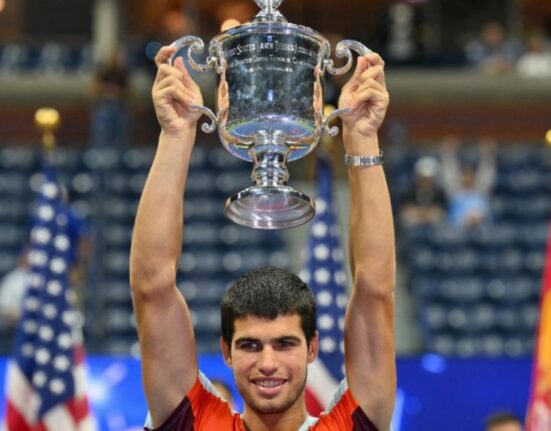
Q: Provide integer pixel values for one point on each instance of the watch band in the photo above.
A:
(361, 161)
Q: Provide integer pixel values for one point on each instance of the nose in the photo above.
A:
(267, 361)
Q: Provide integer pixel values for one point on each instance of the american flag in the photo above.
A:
(46, 375)
(325, 274)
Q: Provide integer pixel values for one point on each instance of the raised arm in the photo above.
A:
(451, 169)
(486, 170)
(369, 323)
(167, 343)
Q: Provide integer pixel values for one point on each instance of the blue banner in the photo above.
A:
(434, 393)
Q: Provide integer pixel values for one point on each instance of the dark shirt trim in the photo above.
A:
(361, 422)
(182, 418)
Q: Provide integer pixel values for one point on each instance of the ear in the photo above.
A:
(226, 352)
(313, 348)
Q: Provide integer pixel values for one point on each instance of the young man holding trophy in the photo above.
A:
(268, 316)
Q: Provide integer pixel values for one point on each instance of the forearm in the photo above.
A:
(371, 244)
(157, 236)
(485, 174)
(451, 175)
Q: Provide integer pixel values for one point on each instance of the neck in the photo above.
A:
(290, 419)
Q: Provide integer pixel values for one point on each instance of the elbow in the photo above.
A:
(376, 280)
(147, 285)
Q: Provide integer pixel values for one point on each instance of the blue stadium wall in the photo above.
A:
(434, 393)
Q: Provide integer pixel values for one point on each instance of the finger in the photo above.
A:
(178, 71)
(372, 72)
(371, 83)
(171, 81)
(167, 70)
(375, 73)
(172, 94)
(369, 95)
(376, 65)
(179, 64)
(374, 59)
(164, 54)
(361, 66)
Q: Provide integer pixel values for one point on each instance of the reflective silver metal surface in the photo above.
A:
(269, 107)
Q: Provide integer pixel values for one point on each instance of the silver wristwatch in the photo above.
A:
(351, 160)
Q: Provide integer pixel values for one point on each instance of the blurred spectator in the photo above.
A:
(425, 203)
(503, 421)
(468, 188)
(492, 52)
(109, 113)
(536, 61)
(12, 290)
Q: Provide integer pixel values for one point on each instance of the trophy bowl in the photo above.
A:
(269, 107)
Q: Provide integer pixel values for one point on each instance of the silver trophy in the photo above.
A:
(269, 103)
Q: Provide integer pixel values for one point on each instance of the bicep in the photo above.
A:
(168, 352)
(370, 354)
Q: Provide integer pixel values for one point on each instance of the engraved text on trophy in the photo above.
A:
(271, 79)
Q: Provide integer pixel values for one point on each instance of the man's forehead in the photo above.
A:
(258, 327)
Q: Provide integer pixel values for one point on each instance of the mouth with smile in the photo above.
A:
(268, 386)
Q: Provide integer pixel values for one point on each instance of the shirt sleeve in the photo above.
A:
(200, 410)
(344, 414)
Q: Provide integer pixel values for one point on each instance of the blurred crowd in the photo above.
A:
(494, 52)
(445, 188)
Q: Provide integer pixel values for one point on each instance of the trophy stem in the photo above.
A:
(270, 203)
(269, 154)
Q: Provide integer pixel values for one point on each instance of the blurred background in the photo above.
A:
(467, 154)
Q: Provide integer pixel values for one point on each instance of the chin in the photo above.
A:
(270, 407)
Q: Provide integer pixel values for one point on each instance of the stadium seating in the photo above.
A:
(104, 186)
(477, 290)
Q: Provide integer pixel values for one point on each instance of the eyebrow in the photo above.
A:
(258, 340)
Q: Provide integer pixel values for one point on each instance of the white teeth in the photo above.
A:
(269, 383)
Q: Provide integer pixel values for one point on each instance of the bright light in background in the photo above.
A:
(98, 391)
(547, 135)
(227, 24)
(398, 410)
(100, 388)
(434, 363)
(2, 5)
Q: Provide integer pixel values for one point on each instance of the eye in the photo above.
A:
(249, 346)
(286, 344)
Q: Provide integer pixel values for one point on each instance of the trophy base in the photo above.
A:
(278, 207)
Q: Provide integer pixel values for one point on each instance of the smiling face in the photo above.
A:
(269, 360)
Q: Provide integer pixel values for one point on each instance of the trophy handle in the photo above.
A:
(196, 46)
(206, 127)
(344, 49)
(334, 131)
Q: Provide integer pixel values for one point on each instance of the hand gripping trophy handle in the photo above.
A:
(343, 50)
(196, 46)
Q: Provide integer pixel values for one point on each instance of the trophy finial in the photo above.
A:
(47, 120)
(268, 5)
(269, 10)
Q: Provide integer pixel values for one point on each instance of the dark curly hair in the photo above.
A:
(268, 293)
